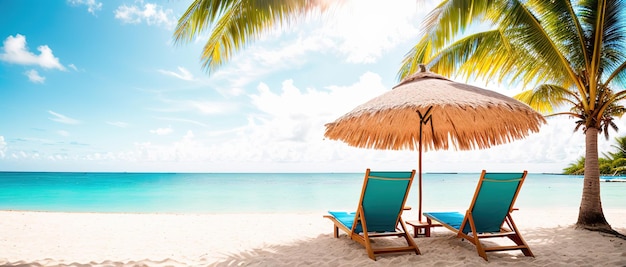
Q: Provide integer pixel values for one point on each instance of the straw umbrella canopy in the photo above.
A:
(428, 111)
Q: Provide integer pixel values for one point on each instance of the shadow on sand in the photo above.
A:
(552, 247)
(563, 246)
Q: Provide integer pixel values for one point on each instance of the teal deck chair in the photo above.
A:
(379, 212)
(488, 213)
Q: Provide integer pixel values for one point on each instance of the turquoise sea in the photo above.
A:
(261, 192)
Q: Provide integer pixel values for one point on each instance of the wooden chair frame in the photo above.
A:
(510, 231)
(364, 237)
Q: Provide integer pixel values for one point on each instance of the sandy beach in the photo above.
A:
(277, 239)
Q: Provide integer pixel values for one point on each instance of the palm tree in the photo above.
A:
(620, 149)
(234, 23)
(612, 163)
(576, 168)
(618, 158)
(607, 166)
(569, 54)
(564, 53)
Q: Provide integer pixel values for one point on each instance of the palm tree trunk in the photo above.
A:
(590, 215)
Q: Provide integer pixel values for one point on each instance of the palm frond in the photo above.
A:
(419, 54)
(576, 168)
(564, 28)
(618, 76)
(532, 56)
(452, 17)
(197, 18)
(440, 27)
(614, 34)
(546, 97)
(468, 55)
(526, 29)
(236, 23)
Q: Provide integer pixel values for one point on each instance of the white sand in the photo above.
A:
(96, 239)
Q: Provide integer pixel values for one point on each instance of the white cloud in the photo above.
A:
(183, 75)
(57, 157)
(62, 118)
(63, 133)
(289, 55)
(92, 5)
(292, 124)
(118, 124)
(33, 76)
(360, 31)
(162, 131)
(151, 14)
(290, 130)
(550, 150)
(260, 61)
(72, 66)
(202, 106)
(184, 120)
(15, 51)
(188, 135)
(285, 133)
(3, 147)
(363, 30)
(332, 101)
(211, 107)
(186, 149)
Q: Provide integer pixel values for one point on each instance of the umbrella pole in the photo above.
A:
(420, 176)
(425, 118)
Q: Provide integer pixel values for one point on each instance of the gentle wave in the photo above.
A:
(260, 192)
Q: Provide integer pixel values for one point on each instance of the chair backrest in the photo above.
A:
(383, 197)
(494, 198)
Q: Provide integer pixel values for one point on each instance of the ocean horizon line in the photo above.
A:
(242, 192)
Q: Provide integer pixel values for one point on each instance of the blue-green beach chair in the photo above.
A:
(379, 212)
(489, 212)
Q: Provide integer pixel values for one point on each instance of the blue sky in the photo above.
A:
(89, 85)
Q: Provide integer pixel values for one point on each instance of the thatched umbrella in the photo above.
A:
(455, 114)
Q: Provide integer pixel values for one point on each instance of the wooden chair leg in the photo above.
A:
(517, 238)
(409, 240)
(368, 246)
